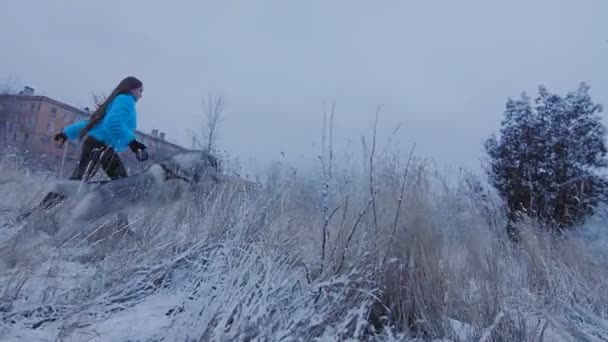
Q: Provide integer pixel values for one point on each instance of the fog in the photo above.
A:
(440, 70)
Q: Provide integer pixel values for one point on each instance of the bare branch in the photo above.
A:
(213, 107)
(331, 137)
(372, 191)
(98, 99)
(399, 202)
(352, 232)
(326, 169)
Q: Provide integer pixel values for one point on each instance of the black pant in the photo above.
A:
(94, 154)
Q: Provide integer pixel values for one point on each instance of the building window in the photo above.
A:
(51, 126)
(66, 117)
(53, 112)
(33, 106)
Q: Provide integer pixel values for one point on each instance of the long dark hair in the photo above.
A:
(124, 87)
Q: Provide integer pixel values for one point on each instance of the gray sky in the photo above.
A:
(443, 69)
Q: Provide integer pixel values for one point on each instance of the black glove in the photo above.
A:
(61, 138)
(136, 146)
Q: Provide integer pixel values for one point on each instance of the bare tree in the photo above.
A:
(213, 108)
(99, 99)
(8, 85)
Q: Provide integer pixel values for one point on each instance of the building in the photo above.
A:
(29, 122)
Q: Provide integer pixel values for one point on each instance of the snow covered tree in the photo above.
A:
(546, 161)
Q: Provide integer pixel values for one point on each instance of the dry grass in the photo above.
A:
(406, 255)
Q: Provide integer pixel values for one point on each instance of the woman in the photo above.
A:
(110, 129)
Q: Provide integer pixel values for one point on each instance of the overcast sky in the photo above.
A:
(443, 69)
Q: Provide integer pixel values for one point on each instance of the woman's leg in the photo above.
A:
(112, 165)
(91, 149)
(89, 159)
(114, 168)
(86, 168)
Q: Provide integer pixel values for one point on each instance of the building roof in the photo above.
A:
(163, 141)
(81, 112)
(46, 99)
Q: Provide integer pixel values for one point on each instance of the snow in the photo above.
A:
(145, 321)
(246, 268)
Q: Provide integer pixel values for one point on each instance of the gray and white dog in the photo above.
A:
(80, 202)
(159, 183)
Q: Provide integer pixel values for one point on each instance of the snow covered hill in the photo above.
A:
(251, 267)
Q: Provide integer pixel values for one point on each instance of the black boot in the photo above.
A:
(51, 199)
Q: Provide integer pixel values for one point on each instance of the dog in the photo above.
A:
(157, 184)
(75, 206)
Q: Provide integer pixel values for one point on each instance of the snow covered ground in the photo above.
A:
(251, 267)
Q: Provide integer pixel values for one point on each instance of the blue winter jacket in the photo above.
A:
(117, 129)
